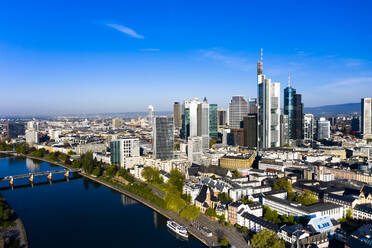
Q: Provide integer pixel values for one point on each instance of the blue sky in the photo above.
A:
(115, 56)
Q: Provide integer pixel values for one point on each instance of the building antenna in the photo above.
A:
(289, 80)
(261, 55)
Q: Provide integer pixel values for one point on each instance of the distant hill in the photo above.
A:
(347, 108)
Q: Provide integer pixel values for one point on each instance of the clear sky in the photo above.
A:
(116, 56)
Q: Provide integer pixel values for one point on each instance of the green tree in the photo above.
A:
(152, 175)
(266, 238)
(349, 214)
(177, 146)
(236, 174)
(221, 218)
(97, 172)
(224, 197)
(176, 179)
(76, 164)
(110, 171)
(210, 212)
(174, 202)
(190, 212)
(282, 184)
(224, 242)
(246, 200)
(307, 198)
(70, 153)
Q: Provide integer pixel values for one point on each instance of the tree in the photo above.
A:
(221, 218)
(282, 184)
(97, 172)
(174, 202)
(246, 200)
(236, 174)
(110, 170)
(307, 198)
(210, 212)
(266, 238)
(152, 175)
(271, 216)
(349, 214)
(190, 212)
(176, 179)
(76, 164)
(177, 146)
(71, 153)
(224, 242)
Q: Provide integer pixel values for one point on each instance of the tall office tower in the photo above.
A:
(124, 149)
(324, 129)
(250, 130)
(222, 117)
(309, 127)
(284, 130)
(355, 124)
(252, 105)
(32, 125)
(213, 121)
(293, 107)
(366, 125)
(238, 108)
(268, 114)
(32, 137)
(151, 115)
(195, 149)
(15, 129)
(177, 117)
(116, 123)
(225, 134)
(203, 122)
(237, 135)
(190, 118)
(163, 138)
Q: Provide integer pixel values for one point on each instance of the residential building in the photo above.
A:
(195, 149)
(309, 127)
(324, 129)
(32, 137)
(122, 149)
(363, 212)
(163, 138)
(117, 123)
(177, 117)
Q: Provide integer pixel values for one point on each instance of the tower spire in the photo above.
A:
(289, 80)
(261, 55)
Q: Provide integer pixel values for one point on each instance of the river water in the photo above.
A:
(81, 213)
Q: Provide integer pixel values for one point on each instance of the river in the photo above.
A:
(82, 213)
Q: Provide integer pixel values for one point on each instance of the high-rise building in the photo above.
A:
(32, 137)
(203, 122)
(122, 149)
(151, 115)
(163, 138)
(116, 123)
(190, 110)
(213, 121)
(33, 125)
(268, 103)
(222, 119)
(195, 149)
(309, 127)
(366, 125)
(237, 136)
(250, 130)
(252, 105)
(293, 107)
(324, 129)
(355, 124)
(177, 117)
(15, 129)
(238, 108)
(284, 130)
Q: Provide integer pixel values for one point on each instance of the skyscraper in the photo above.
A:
(203, 122)
(163, 138)
(293, 107)
(366, 125)
(309, 127)
(284, 130)
(222, 120)
(177, 117)
(238, 108)
(190, 110)
(194, 149)
(15, 129)
(151, 115)
(252, 105)
(116, 123)
(268, 110)
(250, 130)
(213, 121)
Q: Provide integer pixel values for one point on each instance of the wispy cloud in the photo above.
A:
(125, 30)
(231, 60)
(351, 82)
(150, 50)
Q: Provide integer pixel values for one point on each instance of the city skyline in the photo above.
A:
(65, 61)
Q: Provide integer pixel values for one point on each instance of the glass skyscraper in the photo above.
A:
(213, 121)
(294, 109)
(163, 138)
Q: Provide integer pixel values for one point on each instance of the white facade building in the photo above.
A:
(324, 129)
(203, 123)
(366, 118)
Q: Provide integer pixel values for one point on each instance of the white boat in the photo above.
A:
(177, 228)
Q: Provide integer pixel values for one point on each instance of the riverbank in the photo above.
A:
(234, 237)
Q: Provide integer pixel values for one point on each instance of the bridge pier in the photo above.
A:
(67, 174)
(11, 181)
(50, 176)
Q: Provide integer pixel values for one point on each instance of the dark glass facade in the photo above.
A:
(213, 121)
(163, 138)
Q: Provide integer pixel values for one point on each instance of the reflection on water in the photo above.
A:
(125, 200)
(32, 165)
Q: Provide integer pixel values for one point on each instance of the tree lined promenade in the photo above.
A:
(166, 199)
